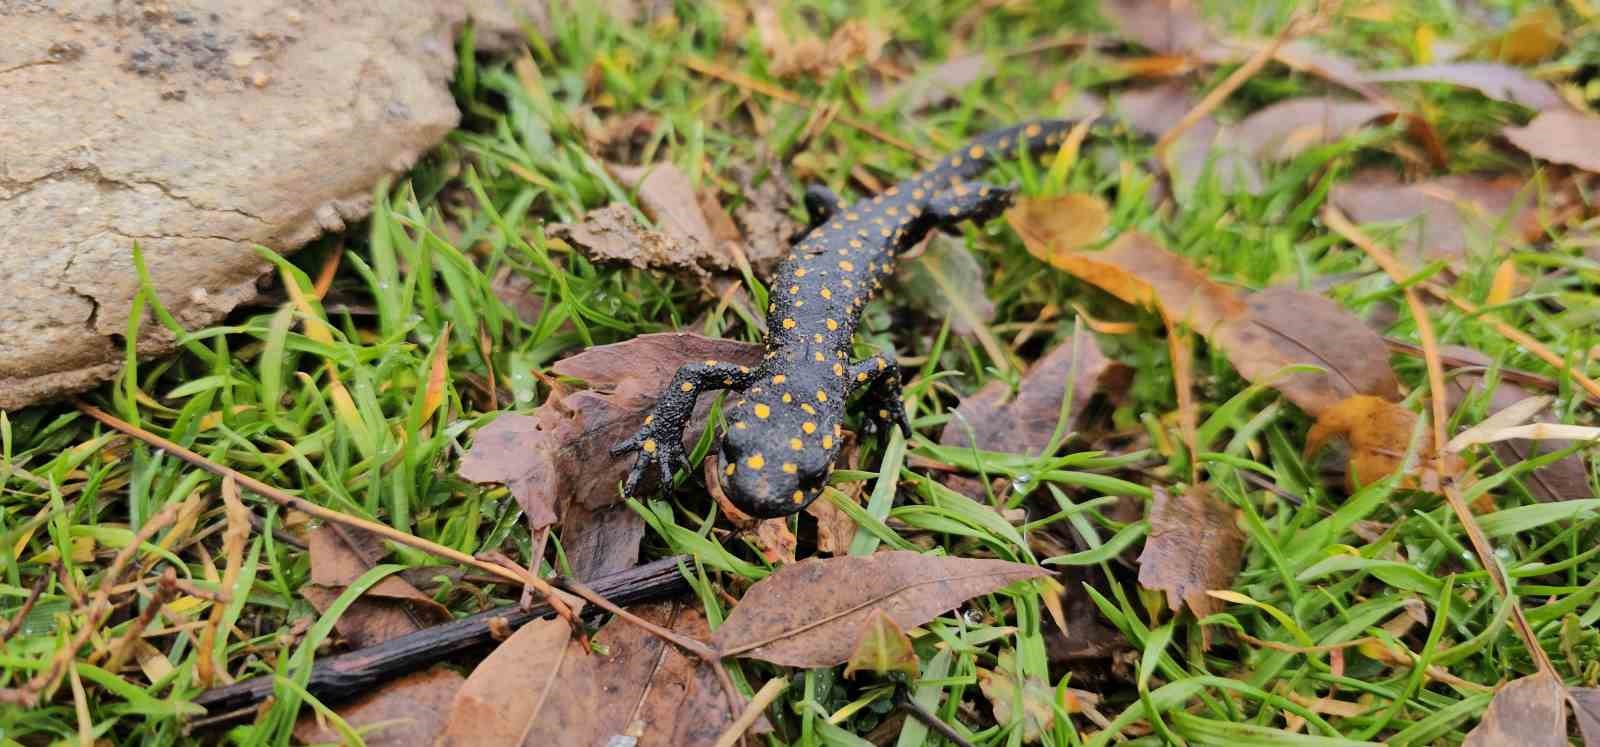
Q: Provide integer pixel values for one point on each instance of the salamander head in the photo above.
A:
(775, 460)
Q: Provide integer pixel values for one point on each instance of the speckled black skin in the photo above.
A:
(784, 431)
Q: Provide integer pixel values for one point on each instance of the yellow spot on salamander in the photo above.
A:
(649, 446)
(882, 364)
(832, 325)
(790, 467)
(756, 461)
(856, 243)
(819, 356)
(846, 265)
(822, 396)
(779, 378)
(852, 216)
(739, 425)
(788, 323)
(686, 386)
(975, 151)
(793, 289)
(827, 442)
(919, 194)
(762, 411)
(838, 369)
(728, 470)
(809, 427)
(861, 376)
(799, 272)
(799, 496)
(1031, 130)
(955, 160)
(648, 419)
(826, 292)
(797, 444)
(786, 398)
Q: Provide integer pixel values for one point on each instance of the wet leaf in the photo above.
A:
(947, 281)
(1530, 711)
(1586, 705)
(1442, 217)
(600, 541)
(499, 701)
(807, 614)
(1194, 546)
(1022, 422)
(1283, 130)
(1007, 689)
(762, 212)
(1562, 137)
(1167, 26)
(406, 712)
(669, 198)
(882, 648)
(562, 451)
(935, 85)
(1378, 432)
(634, 685)
(612, 234)
(1207, 147)
(1306, 56)
(1052, 226)
(1533, 37)
(391, 608)
(1498, 82)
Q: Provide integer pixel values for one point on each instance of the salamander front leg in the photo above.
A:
(660, 440)
(821, 204)
(881, 377)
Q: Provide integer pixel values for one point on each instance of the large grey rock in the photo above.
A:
(198, 129)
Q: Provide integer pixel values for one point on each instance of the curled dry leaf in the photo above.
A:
(1170, 27)
(562, 451)
(391, 608)
(668, 197)
(1023, 422)
(1010, 691)
(406, 712)
(762, 212)
(882, 648)
(1533, 36)
(1379, 433)
(1567, 137)
(1053, 226)
(1194, 546)
(1498, 82)
(1444, 216)
(1528, 711)
(1566, 479)
(1262, 333)
(1485, 431)
(808, 614)
(611, 234)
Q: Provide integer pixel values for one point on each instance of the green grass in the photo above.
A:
(326, 401)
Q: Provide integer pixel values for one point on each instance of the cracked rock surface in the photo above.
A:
(199, 130)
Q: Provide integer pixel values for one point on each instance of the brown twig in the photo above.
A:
(752, 711)
(166, 588)
(905, 702)
(539, 585)
(27, 606)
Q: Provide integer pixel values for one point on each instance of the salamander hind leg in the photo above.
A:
(884, 399)
(659, 440)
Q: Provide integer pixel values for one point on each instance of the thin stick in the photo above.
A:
(764, 697)
(1216, 96)
(27, 606)
(906, 703)
(539, 585)
(123, 648)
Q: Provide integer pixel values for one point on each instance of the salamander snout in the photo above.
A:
(764, 482)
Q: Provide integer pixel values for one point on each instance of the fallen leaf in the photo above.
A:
(1167, 26)
(882, 648)
(933, 86)
(1504, 284)
(776, 543)
(1050, 226)
(498, 703)
(669, 198)
(1206, 147)
(1378, 432)
(762, 212)
(611, 234)
(1533, 37)
(391, 608)
(1023, 422)
(406, 712)
(1586, 705)
(1008, 689)
(516, 291)
(1566, 479)
(1498, 82)
(1306, 56)
(1286, 327)
(1194, 546)
(807, 614)
(1530, 711)
(947, 281)
(1512, 415)
(600, 541)
(562, 451)
(1283, 130)
(1450, 214)
(634, 685)
(1536, 432)
(1562, 137)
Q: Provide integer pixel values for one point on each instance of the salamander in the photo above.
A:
(784, 429)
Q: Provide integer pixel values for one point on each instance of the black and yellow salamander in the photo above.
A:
(784, 429)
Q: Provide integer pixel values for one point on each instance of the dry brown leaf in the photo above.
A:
(776, 543)
(1444, 216)
(611, 234)
(935, 85)
(390, 608)
(497, 704)
(808, 614)
(1022, 422)
(1194, 546)
(411, 711)
(1206, 147)
(947, 281)
(1306, 56)
(762, 212)
(600, 541)
(1498, 82)
(1052, 226)
(882, 648)
(1586, 705)
(1285, 129)
(1533, 37)
(636, 685)
(1528, 712)
(668, 197)
(562, 452)
(1172, 27)
(1006, 687)
(1567, 137)
(835, 529)
(1378, 432)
